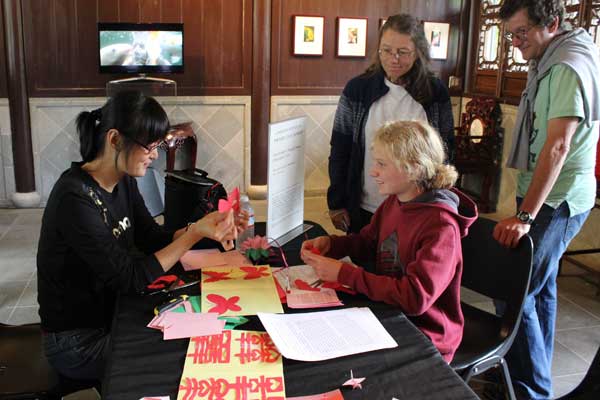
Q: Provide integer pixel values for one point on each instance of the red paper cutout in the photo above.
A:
(280, 292)
(300, 284)
(222, 304)
(232, 202)
(255, 272)
(213, 349)
(216, 276)
(242, 388)
(257, 347)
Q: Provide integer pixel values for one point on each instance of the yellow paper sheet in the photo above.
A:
(232, 365)
(243, 290)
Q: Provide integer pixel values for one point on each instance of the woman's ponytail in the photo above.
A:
(87, 127)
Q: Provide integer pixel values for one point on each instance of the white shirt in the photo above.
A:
(396, 105)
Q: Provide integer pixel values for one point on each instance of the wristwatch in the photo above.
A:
(524, 217)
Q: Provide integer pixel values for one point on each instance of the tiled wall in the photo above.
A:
(222, 125)
(7, 175)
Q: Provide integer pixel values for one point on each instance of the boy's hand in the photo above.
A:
(320, 245)
(327, 269)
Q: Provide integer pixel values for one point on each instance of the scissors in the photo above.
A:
(171, 286)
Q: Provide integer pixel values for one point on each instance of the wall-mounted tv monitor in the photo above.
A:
(140, 48)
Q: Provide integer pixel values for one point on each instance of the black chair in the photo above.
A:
(24, 370)
(589, 387)
(499, 273)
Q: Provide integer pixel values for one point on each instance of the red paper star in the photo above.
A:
(216, 276)
(255, 272)
(222, 304)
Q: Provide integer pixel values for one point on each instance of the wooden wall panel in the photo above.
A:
(293, 75)
(3, 82)
(62, 44)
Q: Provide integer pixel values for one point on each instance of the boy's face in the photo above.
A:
(389, 178)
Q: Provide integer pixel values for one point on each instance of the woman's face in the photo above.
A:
(397, 54)
(139, 159)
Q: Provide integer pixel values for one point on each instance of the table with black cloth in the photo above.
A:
(142, 364)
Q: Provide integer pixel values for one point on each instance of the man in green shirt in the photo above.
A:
(554, 148)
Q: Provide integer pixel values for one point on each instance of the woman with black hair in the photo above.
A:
(398, 85)
(97, 237)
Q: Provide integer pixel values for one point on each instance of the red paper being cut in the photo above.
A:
(232, 202)
(300, 284)
(216, 276)
(242, 388)
(222, 304)
(257, 347)
(214, 349)
(255, 272)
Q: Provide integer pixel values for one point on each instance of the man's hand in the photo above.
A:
(340, 219)
(509, 231)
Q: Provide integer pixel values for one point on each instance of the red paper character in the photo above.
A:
(222, 304)
(216, 276)
(213, 349)
(232, 202)
(255, 272)
(257, 348)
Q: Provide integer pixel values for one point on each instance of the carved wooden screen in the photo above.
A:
(500, 69)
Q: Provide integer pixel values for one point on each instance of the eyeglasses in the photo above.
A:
(164, 144)
(520, 34)
(400, 54)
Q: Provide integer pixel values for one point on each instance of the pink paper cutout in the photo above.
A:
(255, 272)
(222, 304)
(232, 202)
(216, 276)
(354, 382)
(333, 395)
(300, 284)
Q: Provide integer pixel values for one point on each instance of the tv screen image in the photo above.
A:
(140, 48)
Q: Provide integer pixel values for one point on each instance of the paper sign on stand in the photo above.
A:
(285, 180)
(232, 365)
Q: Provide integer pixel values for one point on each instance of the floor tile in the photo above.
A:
(27, 234)
(470, 296)
(582, 341)
(24, 315)
(10, 293)
(30, 217)
(571, 315)
(565, 384)
(89, 394)
(565, 362)
(581, 293)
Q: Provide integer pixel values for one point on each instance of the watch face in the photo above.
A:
(524, 217)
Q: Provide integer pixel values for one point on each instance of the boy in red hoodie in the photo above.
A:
(414, 238)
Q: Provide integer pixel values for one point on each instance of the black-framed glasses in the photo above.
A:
(400, 54)
(520, 34)
(169, 141)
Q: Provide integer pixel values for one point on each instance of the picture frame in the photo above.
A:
(438, 35)
(351, 37)
(308, 35)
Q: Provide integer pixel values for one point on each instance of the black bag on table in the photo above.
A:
(189, 195)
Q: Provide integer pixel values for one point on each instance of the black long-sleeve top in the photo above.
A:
(86, 255)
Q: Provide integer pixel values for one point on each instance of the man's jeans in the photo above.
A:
(79, 353)
(530, 357)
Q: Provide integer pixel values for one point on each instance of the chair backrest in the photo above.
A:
(496, 271)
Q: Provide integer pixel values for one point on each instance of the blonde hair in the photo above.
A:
(417, 148)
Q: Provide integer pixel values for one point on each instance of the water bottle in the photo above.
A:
(249, 232)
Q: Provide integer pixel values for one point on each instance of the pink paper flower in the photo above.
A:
(256, 242)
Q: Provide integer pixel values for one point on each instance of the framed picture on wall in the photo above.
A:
(308, 35)
(437, 34)
(351, 37)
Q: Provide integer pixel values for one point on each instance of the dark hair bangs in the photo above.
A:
(151, 123)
